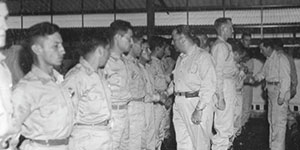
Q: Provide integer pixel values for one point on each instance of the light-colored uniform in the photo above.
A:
(226, 73)
(136, 110)
(12, 60)
(117, 75)
(276, 72)
(247, 95)
(160, 85)
(42, 110)
(92, 106)
(194, 72)
(148, 139)
(6, 108)
(239, 101)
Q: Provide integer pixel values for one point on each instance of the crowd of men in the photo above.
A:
(120, 94)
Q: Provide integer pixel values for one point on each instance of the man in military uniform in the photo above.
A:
(43, 111)
(276, 71)
(117, 75)
(137, 85)
(226, 90)
(151, 97)
(6, 109)
(194, 87)
(161, 80)
(91, 98)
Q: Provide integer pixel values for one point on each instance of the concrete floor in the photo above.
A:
(254, 137)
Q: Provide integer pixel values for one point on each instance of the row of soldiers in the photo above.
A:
(119, 94)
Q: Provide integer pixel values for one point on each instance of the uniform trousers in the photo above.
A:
(91, 138)
(120, 129)
(148, 138)
(224, 119)
(188, 135)
(136, 111)
(277, 118)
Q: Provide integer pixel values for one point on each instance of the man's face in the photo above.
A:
(246, 41)
(51, 49)
(228, 29)
(264, 50)
(105, 55)
(136, 48)
(177, 41)
(145, 54)
(3, 25)
(125, 41)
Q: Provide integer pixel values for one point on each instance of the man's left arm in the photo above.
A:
(284, 77)
(208, 77)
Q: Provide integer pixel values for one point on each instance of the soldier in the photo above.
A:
(43, 111)
(276, 71)
(247, 89)
(137, 85)
(161, 81)
(148, 139)
(117, 75)
(91, 98)
(226, 90)
(194, 88)
(5, 78)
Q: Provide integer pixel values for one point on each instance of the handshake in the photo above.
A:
(250, 79)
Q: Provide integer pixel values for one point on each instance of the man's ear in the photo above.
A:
(100, 50)
(36, 48)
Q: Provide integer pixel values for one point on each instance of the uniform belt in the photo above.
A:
(103, 123)
(272, 83)
(138, 99)
(52, 142)
(119, 106)
(187, 94)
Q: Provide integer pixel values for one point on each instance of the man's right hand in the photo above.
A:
(221, 104)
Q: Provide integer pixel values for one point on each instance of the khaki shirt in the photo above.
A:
(137, 85)
(225, 64)
(196, 72)
(277, 69)
(151, 94)
(160, 78)
(91, 94)
(117, 75)
(42, 107)
(6, 108)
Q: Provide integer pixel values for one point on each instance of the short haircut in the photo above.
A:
(91, 43)
(244, 34)
(37, 31)
(156, 41)
(137, 36)
(186, 31)
(267, 43)
(119, 27)
(220, 22)
(278, 43)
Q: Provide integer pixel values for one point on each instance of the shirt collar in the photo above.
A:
(87, 66)
(2, 57)
(219, 37)
(44, 77)
(273, 54)
(194, 48)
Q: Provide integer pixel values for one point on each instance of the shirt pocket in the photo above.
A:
(193, 69)
(47, 111)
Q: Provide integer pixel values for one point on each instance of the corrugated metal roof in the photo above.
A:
(74, 6)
